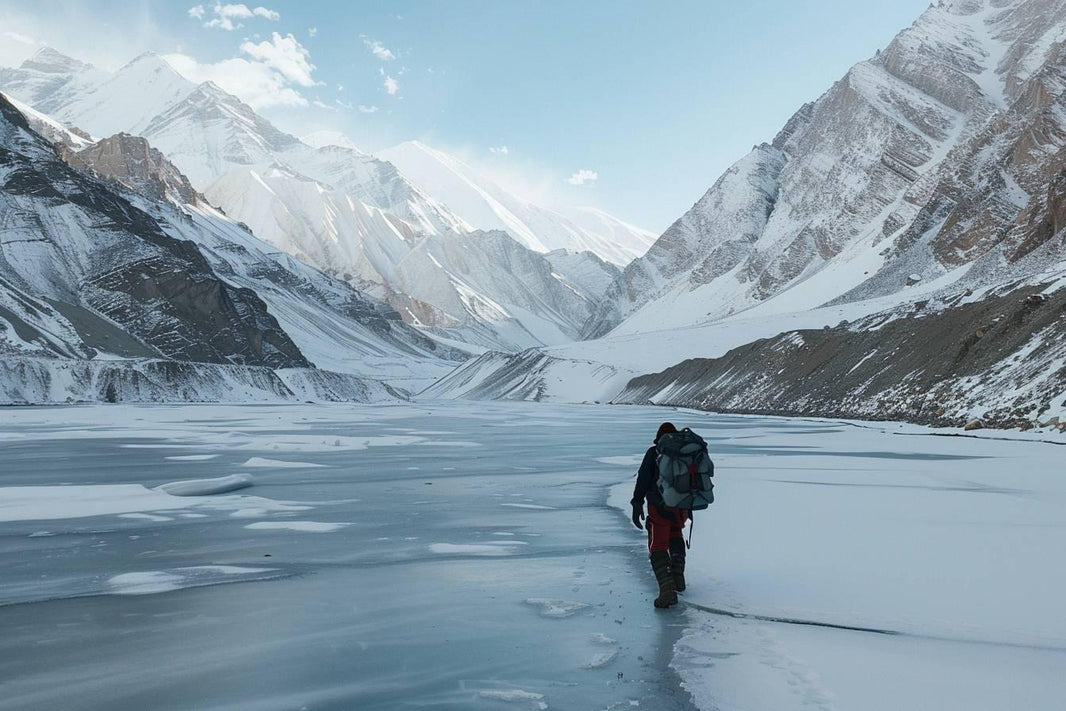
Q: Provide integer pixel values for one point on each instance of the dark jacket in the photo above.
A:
(647, 479)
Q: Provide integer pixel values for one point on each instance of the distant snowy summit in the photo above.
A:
(355, 216)
(485, 205)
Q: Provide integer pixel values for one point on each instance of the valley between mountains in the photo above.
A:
(896, 251)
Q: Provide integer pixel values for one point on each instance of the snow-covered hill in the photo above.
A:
(485, 205)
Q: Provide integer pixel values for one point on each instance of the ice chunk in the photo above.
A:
(556, 608)
(278, 464)
(145, 517)
(303, 526)
(601, 660)
(206, 487)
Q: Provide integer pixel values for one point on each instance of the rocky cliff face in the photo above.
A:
(918, 161)
(131, 162)
(68, 238)
(999, 359)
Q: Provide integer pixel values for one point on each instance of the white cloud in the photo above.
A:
(340, 87)
(312, 31)
(363, 109)
(391, 85)
(226, 15)
(379, 50)
(499, 150)
(20, 38)
(272, 15)
(583, 177)
(255, 83)
(321, 105)
(284, 55)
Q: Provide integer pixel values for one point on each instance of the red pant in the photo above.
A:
(664, 524)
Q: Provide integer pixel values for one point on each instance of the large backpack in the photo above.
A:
(685, 471)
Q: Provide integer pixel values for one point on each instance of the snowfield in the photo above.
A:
(480, 556)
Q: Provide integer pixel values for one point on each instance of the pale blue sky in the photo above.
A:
(655, 98)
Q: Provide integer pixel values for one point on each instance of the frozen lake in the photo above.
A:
(451, 557)
(473, 556)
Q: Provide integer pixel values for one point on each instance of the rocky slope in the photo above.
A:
(1001, 359)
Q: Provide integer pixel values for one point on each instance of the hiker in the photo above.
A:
(666, 542)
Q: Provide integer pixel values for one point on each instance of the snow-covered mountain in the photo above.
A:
(134, 281)
(485, 205)
(349, 213)
(897, 251)
(481, 288)
(839, 204)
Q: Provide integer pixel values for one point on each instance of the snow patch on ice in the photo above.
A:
(492, 548)
(151, 582)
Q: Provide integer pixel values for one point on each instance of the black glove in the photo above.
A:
(638, 515)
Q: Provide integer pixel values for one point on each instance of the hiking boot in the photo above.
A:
(660, 565)
(677, 564)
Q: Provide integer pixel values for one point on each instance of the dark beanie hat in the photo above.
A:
(664, 428)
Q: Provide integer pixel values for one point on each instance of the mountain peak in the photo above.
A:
(51, 61)
(322, 139)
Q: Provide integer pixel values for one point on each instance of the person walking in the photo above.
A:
(666, 541)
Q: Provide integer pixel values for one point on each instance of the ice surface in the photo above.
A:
(316, 631)
(948, 542)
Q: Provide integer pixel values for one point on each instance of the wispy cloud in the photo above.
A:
(583, 177)
(312, 31)
(391, 85)
(499, 150)
(379, 50)
(228, 17)
(269, 76)
(284, 55)
(20, 38)
(364, 109)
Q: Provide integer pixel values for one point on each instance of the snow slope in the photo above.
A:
(485, 205)
(877, 568)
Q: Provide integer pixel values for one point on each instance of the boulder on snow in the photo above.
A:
(913, 279)
(974, 425)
